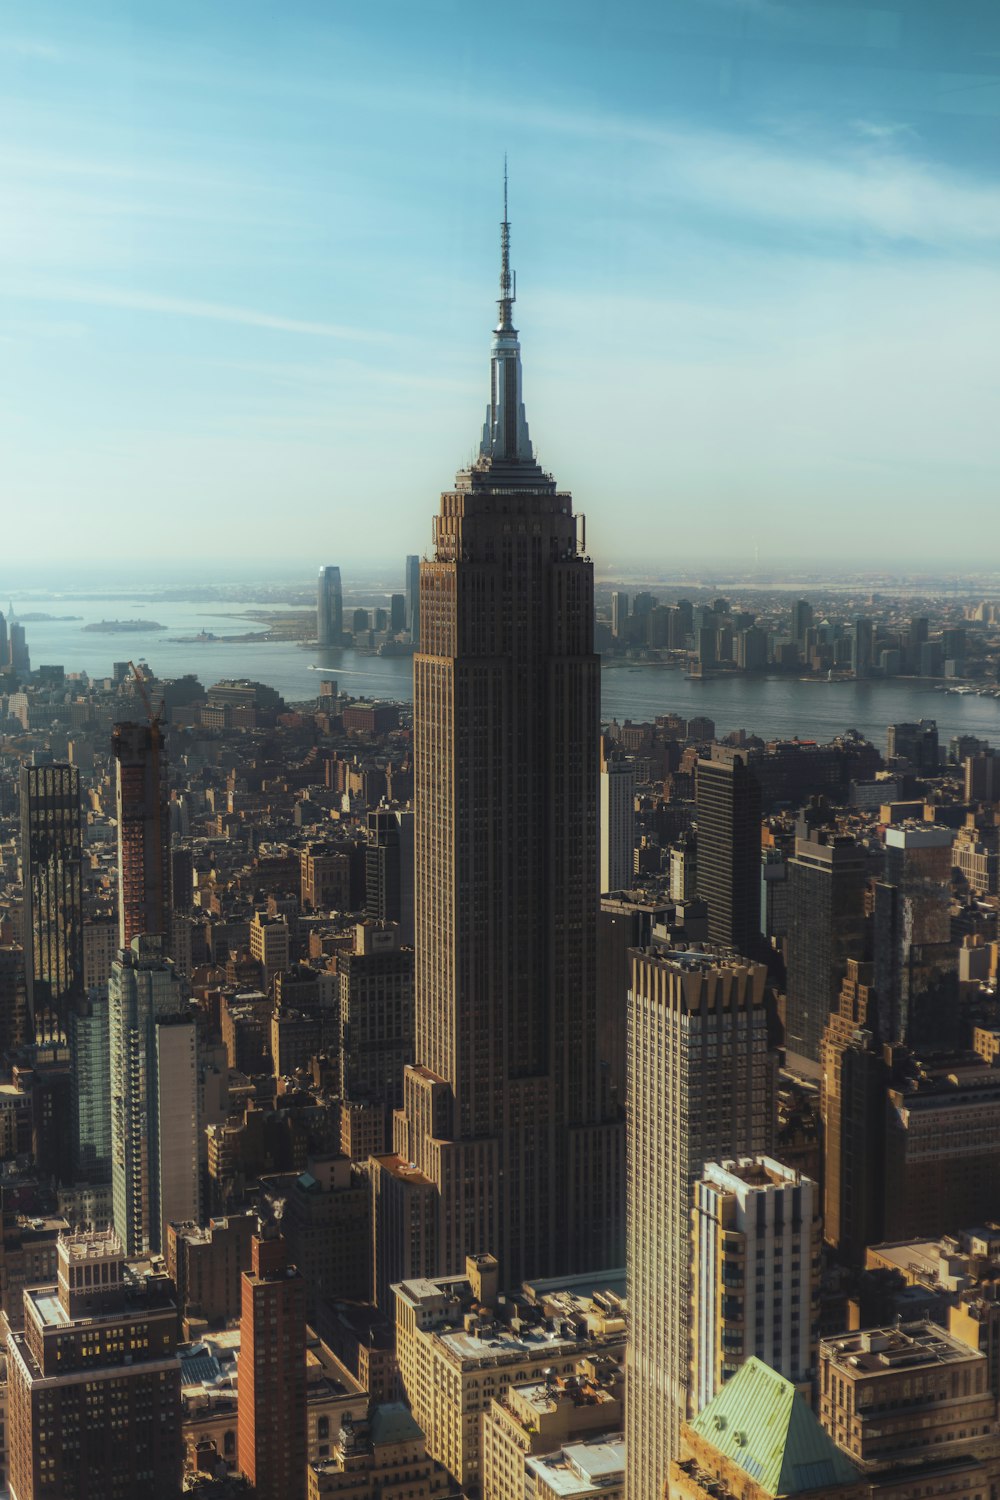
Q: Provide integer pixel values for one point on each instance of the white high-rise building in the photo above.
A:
(756, 1241)
(701, 1087)
(154, 1097)
(617, 820)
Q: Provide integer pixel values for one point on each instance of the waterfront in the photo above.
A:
(769, 706)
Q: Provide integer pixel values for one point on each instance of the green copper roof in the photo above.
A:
(392, 1422)
(760, 1422)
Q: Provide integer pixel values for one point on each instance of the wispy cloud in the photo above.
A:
(16, 46)
(185, 307)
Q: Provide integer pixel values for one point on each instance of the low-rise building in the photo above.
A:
(537, 1420)
(460, 1346)
(756, 1440)
(384, 1455)
(911, 1399)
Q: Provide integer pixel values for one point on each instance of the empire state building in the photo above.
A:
(509, 1131)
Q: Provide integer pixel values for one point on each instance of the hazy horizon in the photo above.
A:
(247, 288)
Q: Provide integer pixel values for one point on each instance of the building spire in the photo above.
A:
(505, 431)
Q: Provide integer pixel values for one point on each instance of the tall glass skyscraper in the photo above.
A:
(413, 599)
(329, 608)
(52, 855)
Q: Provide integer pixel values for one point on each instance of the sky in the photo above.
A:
(250, 252)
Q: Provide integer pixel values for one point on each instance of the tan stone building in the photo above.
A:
(382, 1456)
(460, 1347)
(759, 1440)
(701, 1088)
(539, 1418)
(912, 1407)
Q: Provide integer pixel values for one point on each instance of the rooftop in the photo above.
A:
(585, 1468)
(878, 1351)
(760, 1423)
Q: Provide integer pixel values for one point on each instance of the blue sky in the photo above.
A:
(250, 252)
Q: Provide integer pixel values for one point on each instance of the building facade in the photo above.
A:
(617, 820)
(827, 878)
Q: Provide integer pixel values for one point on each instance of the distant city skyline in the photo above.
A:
(251, 253)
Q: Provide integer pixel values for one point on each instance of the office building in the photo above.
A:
(538, 1436)
(756, 1258)
(325, 878)
(506, 1110)
(701, 1088)
(756, 1440)
(942, 1155)
(915, 743)
(270, 946)
(802, 618)
(327, 1229)
(619, 614)
(459, 1345)
(853, 1078)
(384, 1455)
(376, 1015)
(154, 1098)
(93, 1382)
(51, 859)
(729, 809)
(271, 1410)
(205, 1263)
(389, 875)
(142, 802)
(827, 881)
(863, 648)
(100, 946)
(916, 964)
(329, 608)
(413, 599)
(912, 1406)
(982, 776)
(89, 1035)
(617, 815)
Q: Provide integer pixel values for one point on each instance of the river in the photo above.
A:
(769, 706)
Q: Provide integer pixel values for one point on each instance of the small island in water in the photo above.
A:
(124, 627)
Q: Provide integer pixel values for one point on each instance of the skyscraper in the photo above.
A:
(863, 648)
(51, 856)
(617, 819)
(701, 1088)
(271, 1400)
(729, 804)
(413, 599)
(142, 800)
(90, 1069)
(330, 608)
(4, 642)
(827, 880)
(507, 1112)
(154, 1098)
(94, 1382)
